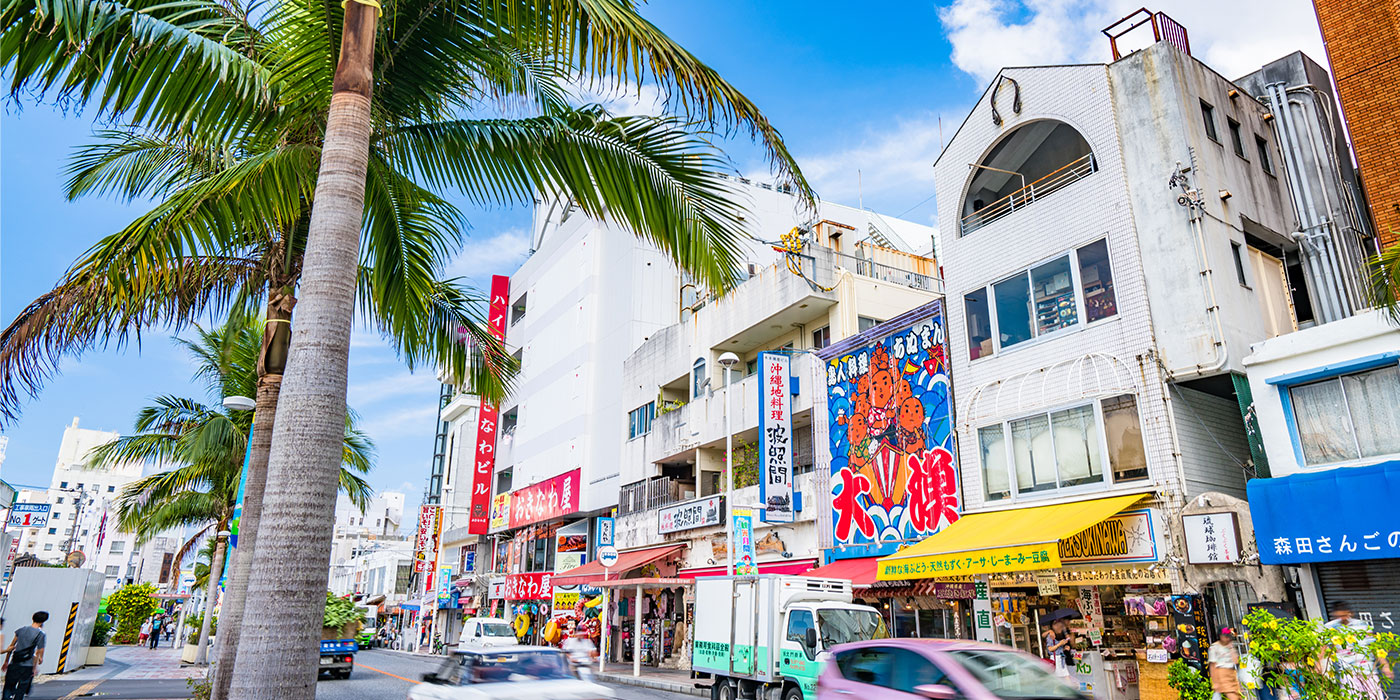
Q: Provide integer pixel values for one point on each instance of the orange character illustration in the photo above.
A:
(881, 401)
(910, 433)
(858, 433)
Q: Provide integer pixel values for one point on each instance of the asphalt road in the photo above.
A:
(387, 674)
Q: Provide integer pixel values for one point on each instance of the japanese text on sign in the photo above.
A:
(1211, 538)
(690, 515)
(775, 436)
(546, 500)
(479, 522)
(528, 587)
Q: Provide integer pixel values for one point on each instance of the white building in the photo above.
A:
(83, 513)
(1327, 401)
(380, 520)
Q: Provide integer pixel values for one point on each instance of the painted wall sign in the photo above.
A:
(545, 500)
(703, 512)
(500, 512)
(534, 586)
(775, 436)
(1211, 538)
(479, 518)
(894, 472)
(1131, 537)
(955, 591)
(29, 514)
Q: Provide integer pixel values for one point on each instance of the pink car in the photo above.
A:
(942, 669)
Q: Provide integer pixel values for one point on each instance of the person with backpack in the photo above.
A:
(23, 657)
(155, 631)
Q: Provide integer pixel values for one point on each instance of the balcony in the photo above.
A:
(1056, 180)
(866, 267)
(652, 494)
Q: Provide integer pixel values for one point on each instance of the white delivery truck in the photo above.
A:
(778, 628)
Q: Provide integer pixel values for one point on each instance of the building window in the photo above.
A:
(80, 485)
(697, 378)
(1236, 140)
(53, 531)
(1063, 449)
(1235, 250)
(1208, 115)
(517, 310)
(117, 547)
(503, 479)
(821, 337)
(1262, 147)
(639, 420)
(1041, 300)
(751, 367)
(59, 500)
(63, 484)
(114, 571)
(1348, 417)
(979, 324)
(111, 489)
(48, 547)
(865, 323)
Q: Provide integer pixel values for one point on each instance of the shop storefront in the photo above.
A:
(1098, 564)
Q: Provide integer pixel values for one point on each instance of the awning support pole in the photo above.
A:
(607, 630)
(637, 635)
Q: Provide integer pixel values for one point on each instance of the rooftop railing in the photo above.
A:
(888, 273)
(1056, 180)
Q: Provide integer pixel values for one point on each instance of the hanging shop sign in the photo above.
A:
(496, 589)
(606, 528)
(479, 522)
(29, 514)
(545, 500)
(954, 591)
(500, 512)
(743, 542)
(425, 538)
(570, 547)
(775, 436)
(446, 592)
(982, 611)
(703, 512)
(894, 471)
(1130, 537)
(533, 586)
(1211, 538)
(1048, 584)
(1189, 622)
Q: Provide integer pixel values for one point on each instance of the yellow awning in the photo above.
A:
(1019, 539)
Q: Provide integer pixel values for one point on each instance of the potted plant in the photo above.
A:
(192, 623)
(97, 646)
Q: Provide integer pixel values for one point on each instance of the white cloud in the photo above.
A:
(621, 101)
(390, 423)
(422, 384)
(483, 256)
(989, 34)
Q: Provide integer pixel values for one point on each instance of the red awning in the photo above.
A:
(801, 566)
(593, 572)
(860, 572)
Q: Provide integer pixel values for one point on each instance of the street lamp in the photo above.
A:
(727, 361)
(211, 584)
(239, 403)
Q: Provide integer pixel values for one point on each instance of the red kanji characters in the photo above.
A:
(933, 489)
(849, 511)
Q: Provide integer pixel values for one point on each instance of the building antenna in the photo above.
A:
(860, 195)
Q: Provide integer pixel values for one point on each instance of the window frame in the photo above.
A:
(699, 374)
(1266, 162)
(801, 641)
(1237, 250)
(824, 333)
(635, 419)
(1334, 372)
(1106, 480)
(1208, 119)
(1236, 138)
(1076, 282)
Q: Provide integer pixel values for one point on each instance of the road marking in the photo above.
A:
(84, 689)
(371, 668)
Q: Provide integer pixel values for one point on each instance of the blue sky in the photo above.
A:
(873, 89)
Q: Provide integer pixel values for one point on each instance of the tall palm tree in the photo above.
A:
(298, 74)
(1384, 277)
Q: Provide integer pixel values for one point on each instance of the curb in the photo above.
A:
(653, 684)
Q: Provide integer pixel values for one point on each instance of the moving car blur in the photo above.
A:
(897, 669)
(507, 673)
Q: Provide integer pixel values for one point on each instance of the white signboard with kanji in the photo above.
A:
(775, 437)
(29, 515)
(1211, 538)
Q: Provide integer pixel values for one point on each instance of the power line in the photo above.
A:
(900, 215)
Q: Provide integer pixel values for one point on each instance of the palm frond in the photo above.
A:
(1383, 280)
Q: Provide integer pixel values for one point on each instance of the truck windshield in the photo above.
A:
(839, 626)
(496, 629)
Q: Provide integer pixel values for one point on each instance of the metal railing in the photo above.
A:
(649, 495)
(888, 273)
(1056, 180)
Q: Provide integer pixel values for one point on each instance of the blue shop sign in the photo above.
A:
(1342, 514)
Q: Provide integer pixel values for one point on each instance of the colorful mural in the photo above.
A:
(894, 476)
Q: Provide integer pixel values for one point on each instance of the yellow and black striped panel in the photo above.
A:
(67, 637)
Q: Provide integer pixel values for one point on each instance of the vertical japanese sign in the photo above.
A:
(982, 610)
(1189, 622)
(605, 533)
(479, 520)
(744, 564)
(894, 475)
(775, 437)
(425, 544)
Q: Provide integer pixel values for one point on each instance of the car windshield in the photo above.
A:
(839, 625)
(1008, 674)
(496, 629)
(514, 667)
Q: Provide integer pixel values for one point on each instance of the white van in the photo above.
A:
(482, 632)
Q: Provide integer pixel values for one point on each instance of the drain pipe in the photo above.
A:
(1331, 245)
(1191, 199)
(1345, 264)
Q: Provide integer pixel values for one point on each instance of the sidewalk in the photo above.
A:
(668, 680)
(135, 663)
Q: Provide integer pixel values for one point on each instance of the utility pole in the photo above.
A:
(81, 500)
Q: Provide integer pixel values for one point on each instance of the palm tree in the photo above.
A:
(1384, 278)
(201, 71)
(206, 448)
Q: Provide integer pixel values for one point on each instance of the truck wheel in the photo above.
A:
(725, 690)
(792, 692)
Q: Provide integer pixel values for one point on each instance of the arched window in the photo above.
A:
(1030, 162)
(697, 378)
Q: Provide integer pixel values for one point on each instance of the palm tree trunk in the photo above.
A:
(211, 588)
(237, 591)
(278, 655)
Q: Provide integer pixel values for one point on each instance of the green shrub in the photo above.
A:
(1310, 651)
(1188, 682)
(101, 630)
(132, 605)
(195, 621)
(341, 612)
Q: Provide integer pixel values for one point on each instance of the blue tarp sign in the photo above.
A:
(1342, 514)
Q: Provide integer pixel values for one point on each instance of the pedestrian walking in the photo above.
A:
(23, 658)
(1358, 670)
(156, 623)
(145, 632)
(1223, 662)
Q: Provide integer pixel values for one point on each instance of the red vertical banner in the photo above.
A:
(480, 517)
